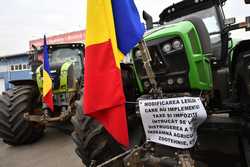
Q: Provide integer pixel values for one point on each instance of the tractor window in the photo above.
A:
(208, 16)
(62, 55)
(211, 24)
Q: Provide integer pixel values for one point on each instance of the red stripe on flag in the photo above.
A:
(48, 100)
(103, 91)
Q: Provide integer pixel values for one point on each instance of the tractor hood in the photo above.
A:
(168, 30)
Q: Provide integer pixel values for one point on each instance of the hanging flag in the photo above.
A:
(113, 28)
(47, 82)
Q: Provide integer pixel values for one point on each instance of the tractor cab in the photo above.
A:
(212, 14)
(74, 55)
(66, 67)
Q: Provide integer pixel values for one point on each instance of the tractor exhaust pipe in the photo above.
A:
(148, 19)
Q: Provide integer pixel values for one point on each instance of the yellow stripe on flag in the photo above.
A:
(47, 83)
(101, 27)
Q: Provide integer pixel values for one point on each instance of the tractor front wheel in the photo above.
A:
(14, 129)
(93, 143)
(242, 80)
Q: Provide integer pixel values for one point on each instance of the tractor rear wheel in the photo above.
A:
(93, 143)
(14, 129)
(242, 81)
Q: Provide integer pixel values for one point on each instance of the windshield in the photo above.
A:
(63, 55)
(208, 16)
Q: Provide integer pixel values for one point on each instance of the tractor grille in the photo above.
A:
(166, 66)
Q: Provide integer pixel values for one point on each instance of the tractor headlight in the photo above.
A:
(170, 81)
(166, 48)
(177, 44)
(180, 81)
(138, 54)
(146, 84)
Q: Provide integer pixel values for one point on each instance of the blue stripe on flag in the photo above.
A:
(46, 57)
(129, 29)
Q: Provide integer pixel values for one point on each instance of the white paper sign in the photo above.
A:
(172, 121)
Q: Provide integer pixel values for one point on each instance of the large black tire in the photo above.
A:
(14, 129)
(241, 80)
(92, 140)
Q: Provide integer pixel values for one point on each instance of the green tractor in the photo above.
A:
(189, 53)
(23, 116)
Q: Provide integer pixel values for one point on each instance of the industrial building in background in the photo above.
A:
(13, 67)
(16, 67)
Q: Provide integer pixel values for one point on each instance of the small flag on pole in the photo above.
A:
(47, 82)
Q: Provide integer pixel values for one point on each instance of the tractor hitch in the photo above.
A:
(144, 156)
(44, 119)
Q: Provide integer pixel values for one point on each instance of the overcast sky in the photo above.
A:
(24, 20)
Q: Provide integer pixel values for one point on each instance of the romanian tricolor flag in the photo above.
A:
(113, 28)
(47, 82)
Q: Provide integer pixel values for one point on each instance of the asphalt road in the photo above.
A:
(55, 149)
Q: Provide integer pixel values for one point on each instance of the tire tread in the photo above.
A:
(14, 129)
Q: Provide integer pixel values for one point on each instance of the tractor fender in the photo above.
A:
(241, 47)
(23, 82)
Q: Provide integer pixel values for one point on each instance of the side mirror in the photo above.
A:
(247, 1)
(148, 19)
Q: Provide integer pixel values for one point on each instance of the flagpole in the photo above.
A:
(146, 58)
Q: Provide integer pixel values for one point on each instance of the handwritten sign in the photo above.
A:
(172, 121)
